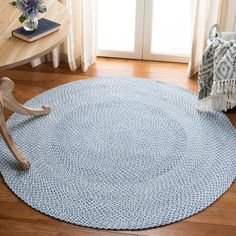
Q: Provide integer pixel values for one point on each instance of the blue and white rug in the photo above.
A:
(121, 153)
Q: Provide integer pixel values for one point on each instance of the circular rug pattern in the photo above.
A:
(121, 153)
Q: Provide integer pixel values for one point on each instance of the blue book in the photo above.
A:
(45, 27)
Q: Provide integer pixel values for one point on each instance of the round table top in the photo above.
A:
(15, 52)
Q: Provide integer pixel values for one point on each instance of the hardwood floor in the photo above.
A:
(17, 218)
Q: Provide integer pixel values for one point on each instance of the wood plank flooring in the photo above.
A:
(18, 219)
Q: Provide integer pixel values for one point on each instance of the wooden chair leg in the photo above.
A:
(24, 163)
(6, 87)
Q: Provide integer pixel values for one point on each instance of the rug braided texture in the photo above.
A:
(121, 153)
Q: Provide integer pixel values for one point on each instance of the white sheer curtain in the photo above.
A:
(79, 48)
(207, 13)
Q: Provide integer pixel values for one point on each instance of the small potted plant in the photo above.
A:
(29, 10)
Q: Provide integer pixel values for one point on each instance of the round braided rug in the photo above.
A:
(121, 153)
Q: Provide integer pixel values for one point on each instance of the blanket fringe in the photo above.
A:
(222, 97)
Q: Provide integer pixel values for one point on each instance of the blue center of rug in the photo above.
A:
(121, 153)
(106, 145)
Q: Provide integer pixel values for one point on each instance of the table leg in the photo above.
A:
(24, 163)
(6, 88)
(7, 100)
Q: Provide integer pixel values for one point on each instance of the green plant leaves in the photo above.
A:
(22, 18)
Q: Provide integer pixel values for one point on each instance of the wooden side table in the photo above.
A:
(14, 52)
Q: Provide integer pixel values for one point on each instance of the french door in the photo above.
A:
(145, 29)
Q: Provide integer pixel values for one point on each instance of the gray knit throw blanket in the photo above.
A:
(217, 76)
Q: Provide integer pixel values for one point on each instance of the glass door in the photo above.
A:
(145, 29)
(168, 30)
(120, 28)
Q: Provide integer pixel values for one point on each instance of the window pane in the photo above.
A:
(116, 25)
(171, 28)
